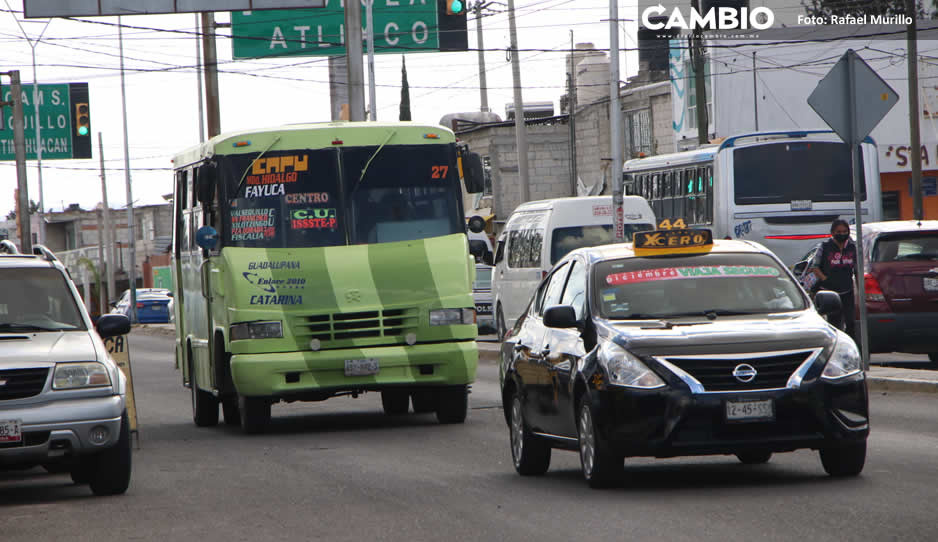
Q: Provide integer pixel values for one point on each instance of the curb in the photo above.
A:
(882, 384)
(147, 329)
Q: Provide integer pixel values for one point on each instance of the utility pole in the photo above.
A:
(755, 92)
(483, 86)
(353, 54)
(615, 121)
(571, 112)
(700, 85)
(19, 152)
(211, 77)
(198, 87)
(369, 22)
(108, 230)
(132, 268)
(521, 134)
(101, 262)
(914, 113)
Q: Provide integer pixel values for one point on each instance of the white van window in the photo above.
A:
(563, 240)
(525, 242)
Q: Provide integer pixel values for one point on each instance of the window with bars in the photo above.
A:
(636, 126)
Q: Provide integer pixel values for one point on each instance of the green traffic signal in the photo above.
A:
(455, 7)
(82, 119)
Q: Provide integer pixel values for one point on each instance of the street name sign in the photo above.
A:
(89, 8)
(57, 122)
(401, 26)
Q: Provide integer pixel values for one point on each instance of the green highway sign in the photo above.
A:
(59, 108)
(401, 26)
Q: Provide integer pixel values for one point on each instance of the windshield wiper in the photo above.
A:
(711, 314)
(637, 316)
(13, 326)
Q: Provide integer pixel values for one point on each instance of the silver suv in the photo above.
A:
(62, 397)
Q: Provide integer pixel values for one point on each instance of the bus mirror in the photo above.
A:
(206, 237)
(476, 224)
(205, 183)
(473, 173)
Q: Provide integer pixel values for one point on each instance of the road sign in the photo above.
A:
(400, 27)
(82, 8)
(835, 92)
(56, 123)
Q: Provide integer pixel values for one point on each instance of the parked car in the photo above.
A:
(63, 401)
(679, 346)
(153, 305)
(901, 273)
(482, 296)
(539, 233)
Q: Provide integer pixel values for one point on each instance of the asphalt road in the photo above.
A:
(341, 470)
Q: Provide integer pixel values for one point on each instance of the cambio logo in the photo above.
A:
(722, 18)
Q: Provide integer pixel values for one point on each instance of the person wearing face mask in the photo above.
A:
(834, 265)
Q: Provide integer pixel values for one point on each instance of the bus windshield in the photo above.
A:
(340, 196)
(802, 170)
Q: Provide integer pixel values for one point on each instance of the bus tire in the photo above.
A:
(255, 414)
(395, 402)
(424, 401)
(453, 404)
(229, 407)
(204, 404)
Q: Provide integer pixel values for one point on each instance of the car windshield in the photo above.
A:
(573, 237)
(38, 300)
(707, 284)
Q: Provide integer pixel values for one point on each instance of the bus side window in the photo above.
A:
(708, 186)
(667, 196)
(692, 195)
(679, 196)
(656, 195)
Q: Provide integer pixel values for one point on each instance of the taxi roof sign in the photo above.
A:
(673, 241)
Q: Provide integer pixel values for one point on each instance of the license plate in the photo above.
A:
(930, 284)
(361, 367)
(10, 431)
(483, 308)
(749, 411)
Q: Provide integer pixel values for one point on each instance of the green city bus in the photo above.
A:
(319, 260)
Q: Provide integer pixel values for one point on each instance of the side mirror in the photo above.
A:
(478, 248)
(799, 267)
(169, 294)
(111, 325)
(476, 224)
(473, 172)
(206, 237)
(205, 183)
(560, 316)
(827, 302)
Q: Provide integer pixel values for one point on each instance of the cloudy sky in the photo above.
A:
(162, 97)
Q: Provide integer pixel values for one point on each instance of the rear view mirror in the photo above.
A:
(827, 302)
(560, 316)
(206, 237)
(112, 325)
(473, 172)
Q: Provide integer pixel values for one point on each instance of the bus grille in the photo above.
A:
(380, 324)
(716, 373)
(20, 383)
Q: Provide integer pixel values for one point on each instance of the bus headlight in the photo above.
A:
(452, 317)
(625, 369)
(256, 330)
(844, 360)
(70, 376)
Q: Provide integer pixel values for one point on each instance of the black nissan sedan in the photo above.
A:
(679, 345)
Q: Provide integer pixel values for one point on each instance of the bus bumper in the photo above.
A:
(295, 374)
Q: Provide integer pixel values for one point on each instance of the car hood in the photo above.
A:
(42, 349)
(725, 334)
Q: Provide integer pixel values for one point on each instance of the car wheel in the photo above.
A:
(453, 404)
(83, 470)
(229, 407)
(529, 454)
(111, 473)
(57, 468)
(204, 404)
(845, 459)
(395, 402)
(500, 328)
(601, 467)
(255, 414)
(754, 458)
(424, 401)
(933, 356)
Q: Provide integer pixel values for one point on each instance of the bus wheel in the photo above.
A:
(453, 404)
(255, 414)
(395, 402)
(424, 401)
(204, 404)
(229, 407)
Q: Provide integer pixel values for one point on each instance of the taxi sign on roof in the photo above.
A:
(673, 241)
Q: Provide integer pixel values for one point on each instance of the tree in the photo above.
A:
(33, 209)
(826, 8)
(405, 92)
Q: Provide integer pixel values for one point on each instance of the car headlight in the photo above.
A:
(256, 330)
(625, 369)
(844, 360)
(70, 376)
(452, 317)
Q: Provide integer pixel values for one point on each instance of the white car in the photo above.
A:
(63, 401)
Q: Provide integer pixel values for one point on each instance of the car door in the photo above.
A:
(562, 349)
(527, 338)
(544, 399)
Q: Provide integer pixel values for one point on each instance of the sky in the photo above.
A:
(162, 93)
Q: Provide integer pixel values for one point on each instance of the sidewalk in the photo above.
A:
(880, 379)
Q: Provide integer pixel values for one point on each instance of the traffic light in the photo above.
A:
(455, 7)
(82, 119)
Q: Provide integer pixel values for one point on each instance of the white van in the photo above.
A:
(539, 233)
